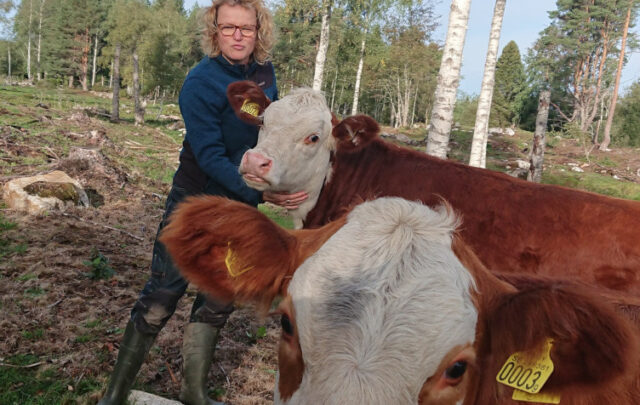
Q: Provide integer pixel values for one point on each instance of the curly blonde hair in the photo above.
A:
(264, 39)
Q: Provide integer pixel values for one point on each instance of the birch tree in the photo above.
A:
(448, 79)
(323, 45)
(480, 132)
(356, 91)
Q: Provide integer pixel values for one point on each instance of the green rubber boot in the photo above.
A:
(198, 346)
(133, 349)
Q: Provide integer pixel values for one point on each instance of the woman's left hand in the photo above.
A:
(283, 199)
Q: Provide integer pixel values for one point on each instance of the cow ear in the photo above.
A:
(230, 250)
(592, 344)
(353, 133)
(248, 101)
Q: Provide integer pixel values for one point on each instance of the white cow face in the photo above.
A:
(381, 311)
(294, 145)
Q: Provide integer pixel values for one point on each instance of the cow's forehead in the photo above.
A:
(300, 106)
(384, 298)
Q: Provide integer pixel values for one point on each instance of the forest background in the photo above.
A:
(387, 45)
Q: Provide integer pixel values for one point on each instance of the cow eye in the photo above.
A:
(313, 138)
(456, 370)
(287, 328)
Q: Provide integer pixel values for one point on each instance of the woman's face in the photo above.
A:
(236, 48)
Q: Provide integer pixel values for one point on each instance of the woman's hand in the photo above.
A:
(288, 201)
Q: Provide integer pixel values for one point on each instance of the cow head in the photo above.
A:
(388, 306)
(297, 136)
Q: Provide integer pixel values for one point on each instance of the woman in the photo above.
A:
(237, 39)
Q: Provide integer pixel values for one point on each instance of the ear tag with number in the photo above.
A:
(541, 398)
(250, 108)
(231, 260)
(526, 374)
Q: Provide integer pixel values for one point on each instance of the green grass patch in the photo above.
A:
(37, 385)
(36, 334)
(280, 217)
(594, 182)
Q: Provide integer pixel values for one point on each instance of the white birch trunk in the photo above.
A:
(39, 73)
(115, 100)
(29, 41)
(138, 108)
(9, 60)
(95, 56)
(321, 56)
(356, 90)
(448, 79)
(480, 132)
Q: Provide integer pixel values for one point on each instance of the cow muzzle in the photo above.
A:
(254, 167)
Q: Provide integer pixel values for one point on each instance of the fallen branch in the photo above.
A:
(26, 366)
(102, 225)
(173, 377)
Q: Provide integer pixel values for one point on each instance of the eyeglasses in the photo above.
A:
(246, 30)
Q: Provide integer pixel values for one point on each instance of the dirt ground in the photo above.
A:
(73, 324)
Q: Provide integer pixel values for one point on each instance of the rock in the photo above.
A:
(176, 126)
(509, 132)
(577, 169)
(523, 164)
(38, 194)
(144, 398)
(495, 131)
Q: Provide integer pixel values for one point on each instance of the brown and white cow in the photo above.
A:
(388, 306)
(513, 225)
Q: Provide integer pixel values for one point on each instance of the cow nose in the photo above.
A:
(255, 163)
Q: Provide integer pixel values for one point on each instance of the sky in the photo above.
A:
(523, 21)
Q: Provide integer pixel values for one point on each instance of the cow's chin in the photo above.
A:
(256, 182)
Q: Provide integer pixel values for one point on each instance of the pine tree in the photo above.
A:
(510, 87)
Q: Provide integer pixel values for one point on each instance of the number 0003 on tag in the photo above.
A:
(527, 376)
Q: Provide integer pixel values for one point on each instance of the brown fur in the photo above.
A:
(514, 226)
(201, 231)
(595, 352)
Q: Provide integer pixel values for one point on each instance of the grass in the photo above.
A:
(593, 182)
(279, 216)
(8, 246)
(22, 383)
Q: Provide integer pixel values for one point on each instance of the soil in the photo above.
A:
(53, 309)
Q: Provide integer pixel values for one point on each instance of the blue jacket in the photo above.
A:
(216, 139)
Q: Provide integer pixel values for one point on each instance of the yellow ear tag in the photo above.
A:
(231, 261)
(541, 398)
(250, 108)
(527, 375)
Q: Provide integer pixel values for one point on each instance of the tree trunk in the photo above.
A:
(539, 139)
(333, 88)
(614, 99)
(9, 60)
(29, 41)
(115, 100)
(95, 56)
(480, 132)
(596, 101)
(138, 109)
(111, 76)
(39, 72)
(323, 46)
(84, 61)
(356, 90)
(70, 78)
(448, 79)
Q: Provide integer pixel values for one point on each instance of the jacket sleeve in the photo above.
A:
(202, 121)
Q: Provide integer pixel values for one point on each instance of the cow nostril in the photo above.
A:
(266, 164)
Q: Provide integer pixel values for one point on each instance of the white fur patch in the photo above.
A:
(380, 304)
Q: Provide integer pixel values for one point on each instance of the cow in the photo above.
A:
(514, 226)
(388, 305)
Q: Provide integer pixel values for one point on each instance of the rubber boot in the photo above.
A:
(198, 347)
(133, 349)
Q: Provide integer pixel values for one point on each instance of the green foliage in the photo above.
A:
(259, 333)
(39, 385)
(627, 118)
(8, 246)
(510, 87)
(597, 183)
(464, 112)
(99, 267)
